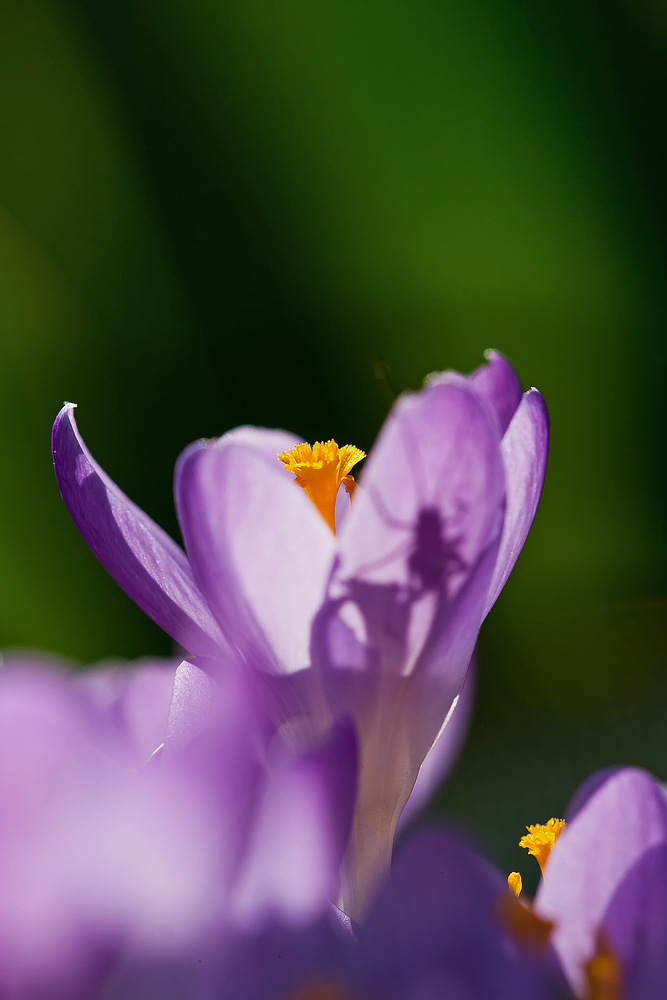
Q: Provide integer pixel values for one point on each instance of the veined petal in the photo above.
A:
(431, 496)
(620, 824)
(406, 599)
(499, 385)
(150, 567)
(525, 448)
(259, 550)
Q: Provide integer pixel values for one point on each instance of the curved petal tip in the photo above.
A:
(150, 567)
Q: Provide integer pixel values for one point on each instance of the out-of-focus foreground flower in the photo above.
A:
(145, 814)
(436, 931)
(371, 610)
(160, 840)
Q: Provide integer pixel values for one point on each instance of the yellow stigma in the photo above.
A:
(515, 882)
(320, 471)
(541, 838)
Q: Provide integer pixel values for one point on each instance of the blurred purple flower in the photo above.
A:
(434, 931)
(134, 828)
(378, 621)
(605, 888)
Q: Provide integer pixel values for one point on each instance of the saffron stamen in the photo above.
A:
(320, 471)
(540, 840)
(515, 882)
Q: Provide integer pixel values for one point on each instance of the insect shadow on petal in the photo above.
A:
(431, 556)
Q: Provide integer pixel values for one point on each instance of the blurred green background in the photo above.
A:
(244, 211)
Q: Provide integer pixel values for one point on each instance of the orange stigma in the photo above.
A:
(320, 471)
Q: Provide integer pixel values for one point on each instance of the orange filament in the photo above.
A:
(319, 990)
(320, 470)
(604, 974)
(541, 838)
(529, 931)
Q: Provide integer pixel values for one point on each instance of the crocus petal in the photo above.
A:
(525, 448)
(621, 822)
(499, 385)
(139, 555)
(139, 979)
(291, 870)
(216, 740)
(88, 847)
(260, 551)
(635, 926)
(443, 754)
(396, 636)
(588, 788)
(129, 707)
(444, 662)
(277, 961)
(195, 707)
(431, 496)
(435, 931)
(417, 550)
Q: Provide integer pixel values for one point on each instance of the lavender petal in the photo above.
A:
(260, 551)
(291, 870)
(525, 448)
(139, 555)
(498, 384)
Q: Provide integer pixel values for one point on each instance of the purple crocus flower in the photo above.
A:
(378, 620)
(605, 888)
(136, 828)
